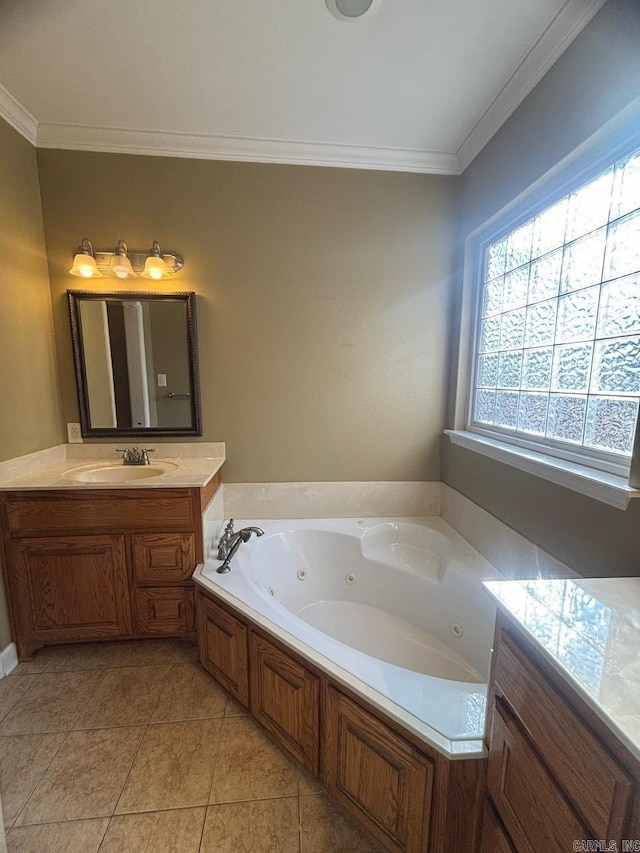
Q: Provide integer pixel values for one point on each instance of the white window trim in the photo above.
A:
(605, 487)
(576, 469)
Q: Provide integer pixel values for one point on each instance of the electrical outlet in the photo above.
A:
(74, 434)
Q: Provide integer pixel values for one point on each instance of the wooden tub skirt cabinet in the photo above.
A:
(406, 794)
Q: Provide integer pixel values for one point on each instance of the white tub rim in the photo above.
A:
(205, 577)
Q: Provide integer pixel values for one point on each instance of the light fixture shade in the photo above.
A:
(84, 265)
(154, 266)
(120, 263)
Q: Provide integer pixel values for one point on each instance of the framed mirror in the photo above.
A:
(136, 363)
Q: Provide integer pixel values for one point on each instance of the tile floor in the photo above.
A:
(131, 746)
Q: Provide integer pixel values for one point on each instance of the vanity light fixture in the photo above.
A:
(120, 263)
(125, 263)
(154, 266)
(84, 261)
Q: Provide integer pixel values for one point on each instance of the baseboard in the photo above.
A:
(8, 659)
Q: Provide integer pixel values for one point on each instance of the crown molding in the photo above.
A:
(18, 116)
(256, 150)
(568, 23)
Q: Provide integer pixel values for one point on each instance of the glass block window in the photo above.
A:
(558, 352)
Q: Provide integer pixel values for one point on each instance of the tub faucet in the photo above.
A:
(233, 543)
(223, 544)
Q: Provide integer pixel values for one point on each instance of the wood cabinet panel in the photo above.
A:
(222, 640)
(163, 557)
(376, 774)
(572, 752)
(162, 611)
(285, 699)
(68, 588)
(120, 509)
(494, 838)
(533, 807)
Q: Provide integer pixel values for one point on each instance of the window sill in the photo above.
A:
(600, 485)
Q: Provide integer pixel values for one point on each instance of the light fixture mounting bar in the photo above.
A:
(173, 260)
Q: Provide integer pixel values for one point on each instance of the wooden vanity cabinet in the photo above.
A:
(97, 564)
(556, 773)
(71, 587)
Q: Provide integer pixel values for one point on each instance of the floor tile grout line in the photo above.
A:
(204, 823)
(121, 725)
(104, 834)
(22, 695)
(75, 719)
(12, 706)
(217, 753)
(124, 814)
(133, 761)
(41, 777)
(66, 731)
(144, 734)
(299, 822)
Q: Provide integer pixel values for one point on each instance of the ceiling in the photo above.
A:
(414, 85)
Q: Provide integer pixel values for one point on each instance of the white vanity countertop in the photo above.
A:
(186, 465)
(589, 631)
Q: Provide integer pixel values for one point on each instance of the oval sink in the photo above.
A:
(119, 473)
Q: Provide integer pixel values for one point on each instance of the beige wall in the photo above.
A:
(597, 77)
(323, 301)
(30, 417)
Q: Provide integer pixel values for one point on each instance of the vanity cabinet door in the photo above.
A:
(222, 640)
(376, 774)
(163, 557)
(534, 809)
(70, 588)
(163, 611)
(285, 699)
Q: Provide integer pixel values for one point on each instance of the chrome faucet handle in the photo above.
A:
(144, 454)
(229, 527)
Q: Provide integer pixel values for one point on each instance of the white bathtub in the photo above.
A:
(393, 608)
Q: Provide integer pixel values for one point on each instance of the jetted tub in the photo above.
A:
(393, 608)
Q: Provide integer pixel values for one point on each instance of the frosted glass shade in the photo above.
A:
(155, 268)
(121, 267)
(85, 266)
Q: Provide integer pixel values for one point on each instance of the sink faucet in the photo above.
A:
(135, 456)
(230, 545)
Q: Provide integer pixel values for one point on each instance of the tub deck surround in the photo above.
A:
(187, 465)
(589, 632)
(394, 593)
(332, 499)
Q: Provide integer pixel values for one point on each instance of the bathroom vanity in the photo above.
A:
(86, 560)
